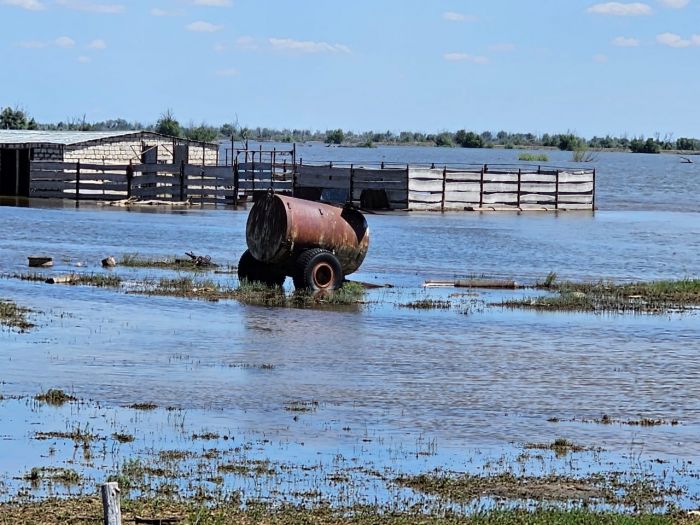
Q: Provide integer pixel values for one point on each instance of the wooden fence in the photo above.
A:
(381, 186)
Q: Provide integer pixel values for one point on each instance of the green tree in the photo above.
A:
(168, 125)
(335, 136)
(202, 133)
(687, 144)
(570, 142)
(645, 146)
(444, 139)
(16, 119)
(469, 139)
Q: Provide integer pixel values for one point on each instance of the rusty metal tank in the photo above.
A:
(281, 227)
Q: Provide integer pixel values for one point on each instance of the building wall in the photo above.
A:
(122, 150)
(47, 152)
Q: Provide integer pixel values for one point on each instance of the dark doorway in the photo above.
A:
(14, 172)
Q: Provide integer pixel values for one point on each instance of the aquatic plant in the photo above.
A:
(534, 157)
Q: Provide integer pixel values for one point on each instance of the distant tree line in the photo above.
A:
(167, 124)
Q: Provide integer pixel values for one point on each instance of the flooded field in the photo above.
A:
(348, 405)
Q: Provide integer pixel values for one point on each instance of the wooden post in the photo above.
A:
(111, 504)
(129, 179)
(351, 197)
(182, 180)
(556, 193)
(519, 185)
(594, 175)
(252, 171)
(236, 179)
(77, 184)
(201, 188)
(481, 187)
(444, 188)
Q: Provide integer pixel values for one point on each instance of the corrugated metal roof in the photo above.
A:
(11, 136)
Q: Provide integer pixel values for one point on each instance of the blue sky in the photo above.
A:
(518, 65)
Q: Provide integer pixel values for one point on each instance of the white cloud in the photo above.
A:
(458, 17)
(675, 4)
(97, 44)
(32, 44)
(84, 59)
(65, 42)
(677, 41)
(464, 57)
(503, 47)
(214, 3)
(92, 7)
(620, 9)
(622, 41)
(229, 72)
(307, 46)
(601, 59)
(203, 27)
(30, 5)
(247, 43)
(164, 12)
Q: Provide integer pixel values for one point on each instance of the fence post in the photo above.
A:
(252, 170)
(111, 504)
(201, 188)
(556, 193)
(182, 180)
(351, 197)
(77, 184)
(519, 185)
(594, 176)
(444, 188)
(481, 187)
(235, 181)
(129, 178)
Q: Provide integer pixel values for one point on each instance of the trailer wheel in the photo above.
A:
(318, 270)
(250, 269)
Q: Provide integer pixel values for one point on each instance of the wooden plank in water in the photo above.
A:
(585, 187)
(379, 185)
(575, 177)
(103, 167)
(51, 175)
(541, 187)
(323, 181)
(535, 177)
(576, 199)
(47, 165)
(463, 176)
(500, 198)
(425, 173)
(425, 197)
(425, 185)
(49, 194)
(365, 175)
(159, 168)
(535, 197)
(424, 206)
(492, 187)
(463, 197)
(462, 186)
(500, 177)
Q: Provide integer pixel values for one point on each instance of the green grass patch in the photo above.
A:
(533, 157)
(14, 316)
(55, 397)
(641, 297)
(69, 510)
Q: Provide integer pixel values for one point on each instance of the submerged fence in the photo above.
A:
(475, 187)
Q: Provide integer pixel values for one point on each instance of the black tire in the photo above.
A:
(318, 270)
(252, 270)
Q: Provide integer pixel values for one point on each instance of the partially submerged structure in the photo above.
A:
(18, 149)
